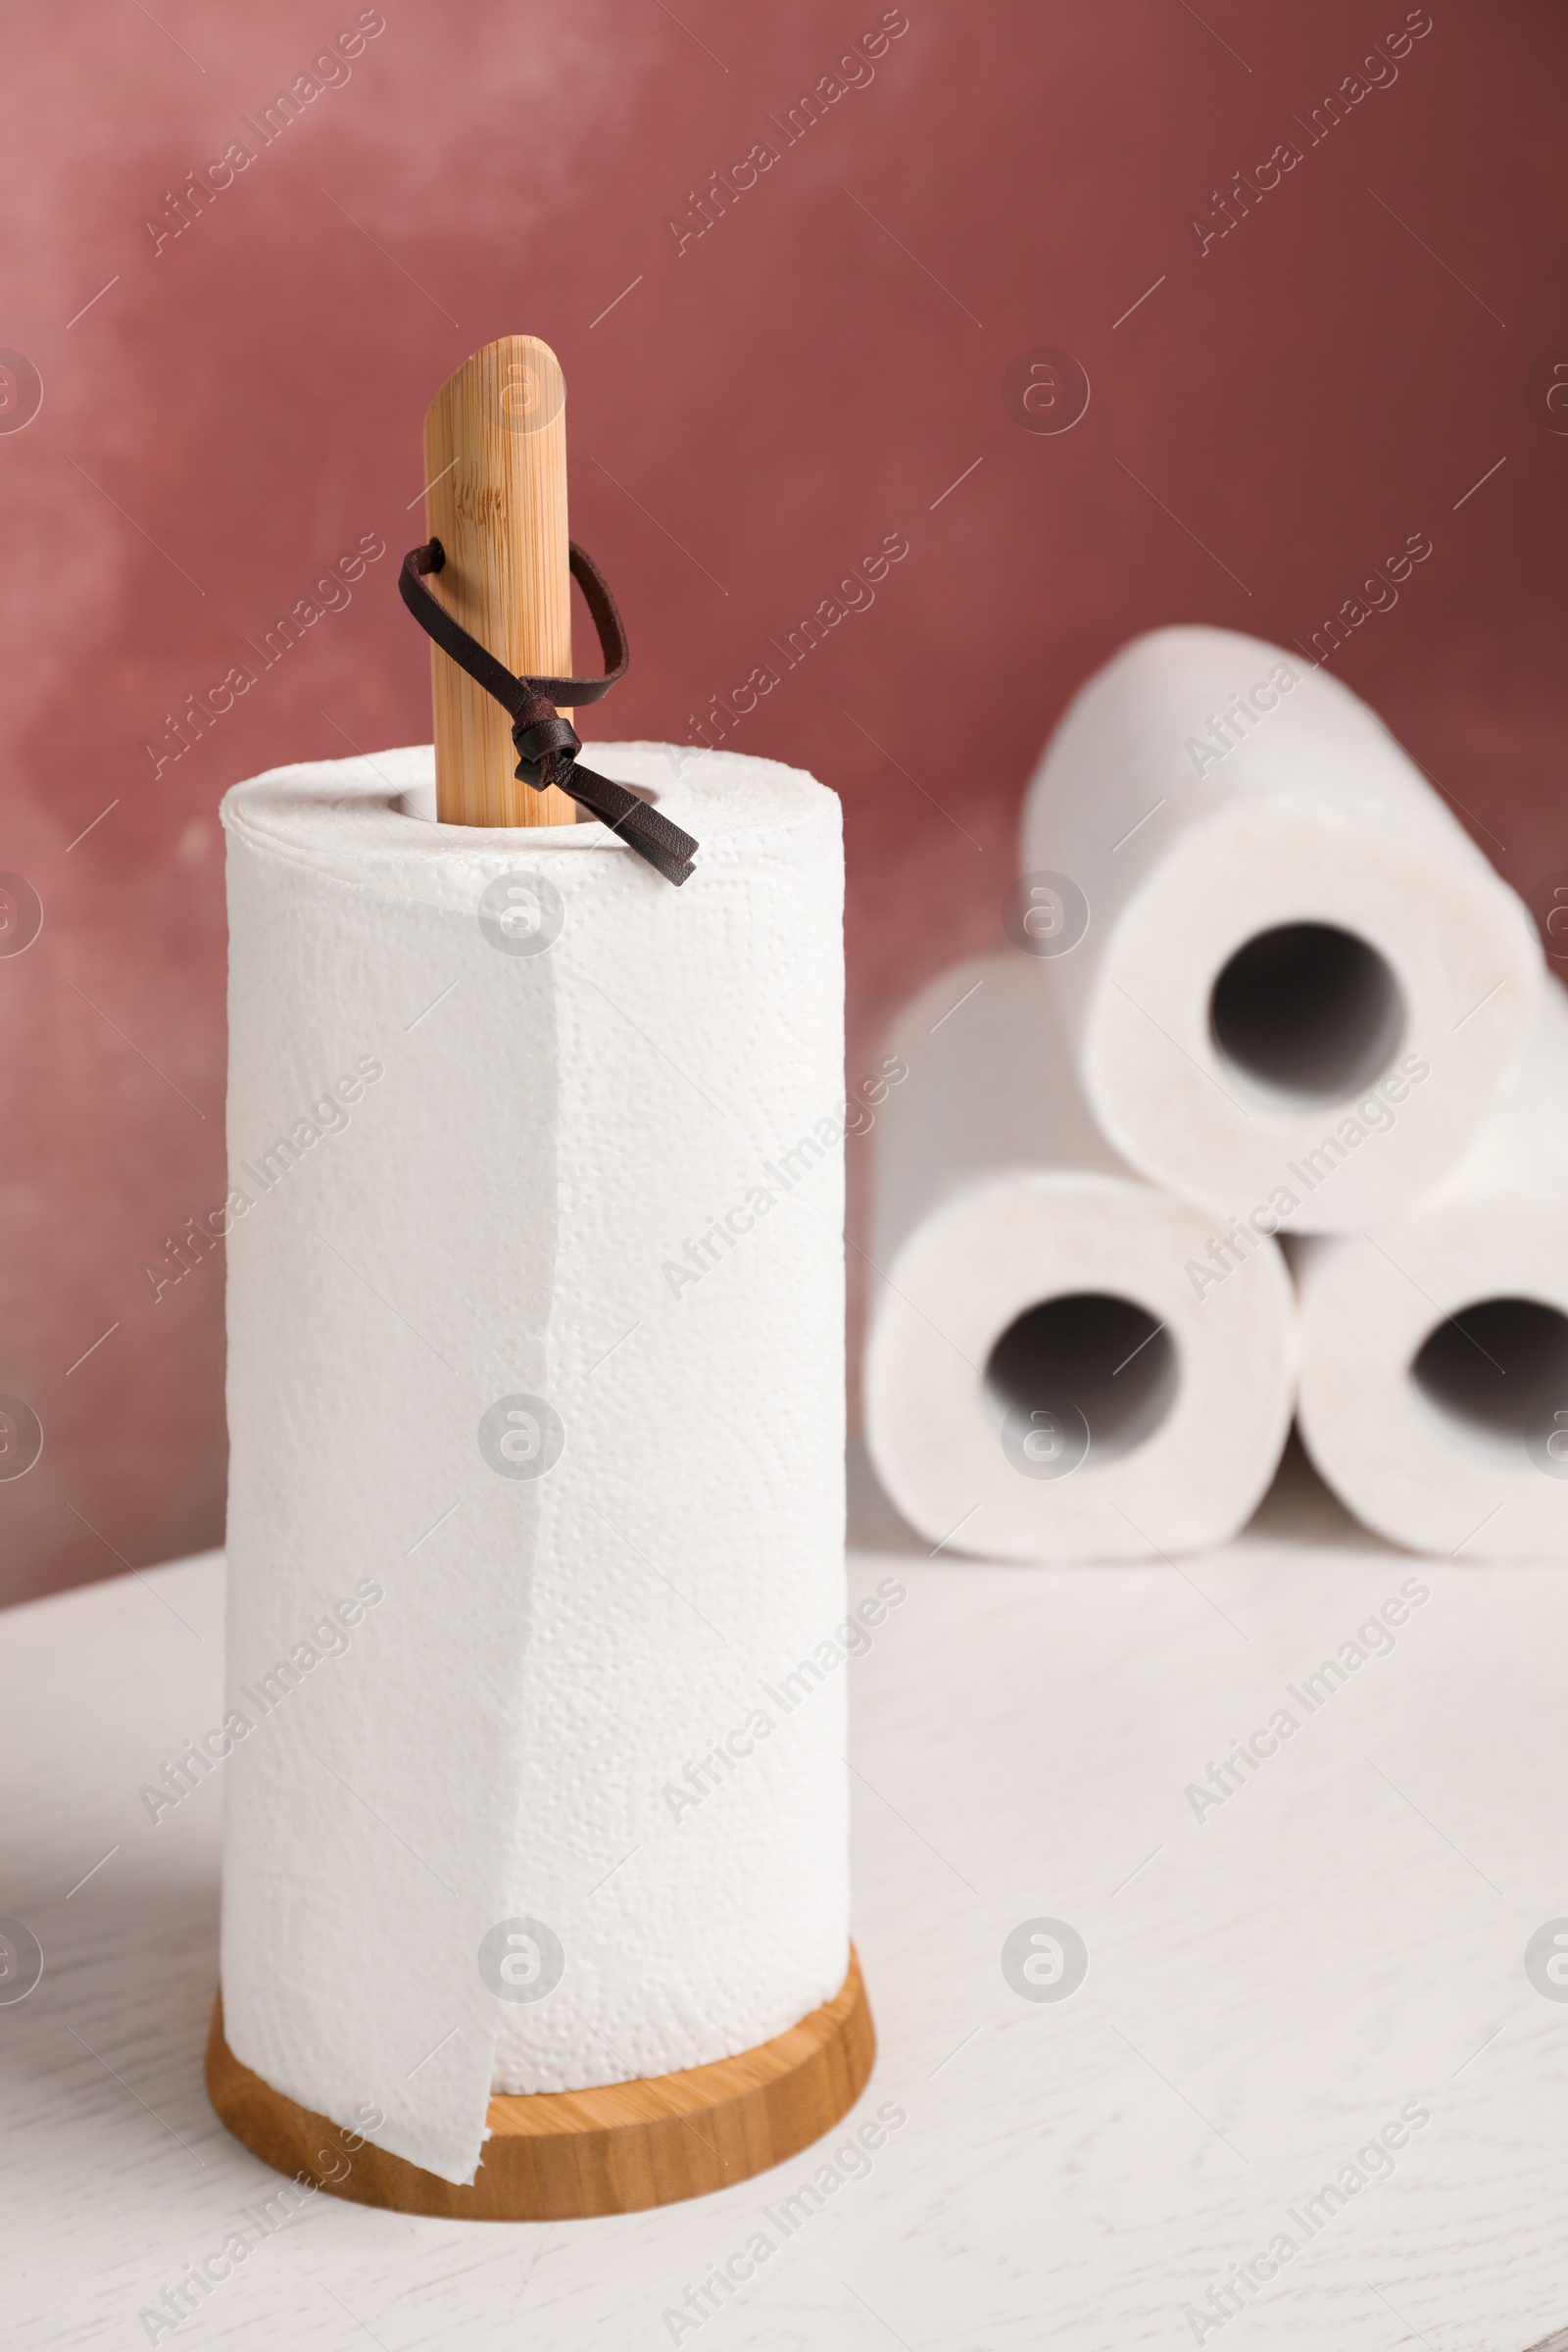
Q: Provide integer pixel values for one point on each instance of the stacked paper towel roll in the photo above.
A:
(1284, 918)
(1041, 1381)
(1263, 982)
(535, 1397)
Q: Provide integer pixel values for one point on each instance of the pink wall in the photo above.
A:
(821, 367)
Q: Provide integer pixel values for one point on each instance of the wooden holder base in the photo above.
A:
(557, 2156)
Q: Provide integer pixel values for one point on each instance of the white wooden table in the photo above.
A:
(1268, 1987)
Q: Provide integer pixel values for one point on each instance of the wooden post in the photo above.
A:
(495, 469)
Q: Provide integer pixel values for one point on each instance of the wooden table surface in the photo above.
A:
(1272, 1986)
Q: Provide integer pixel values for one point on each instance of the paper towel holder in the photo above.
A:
(570, 2155)
(496, 513)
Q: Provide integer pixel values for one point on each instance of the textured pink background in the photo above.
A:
(236, 410)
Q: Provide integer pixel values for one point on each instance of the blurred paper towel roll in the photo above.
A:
(1435, 1350)
(1064, 1361)
(535, 1397)
(1297, 981)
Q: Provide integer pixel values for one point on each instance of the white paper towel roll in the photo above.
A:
(535, 1399)
(1299, 982)
(1435, 1350)
(1064, 1361)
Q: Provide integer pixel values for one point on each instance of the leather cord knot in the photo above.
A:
(547, 745)
(540, 737)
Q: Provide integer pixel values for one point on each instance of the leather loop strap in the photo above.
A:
(547, 745)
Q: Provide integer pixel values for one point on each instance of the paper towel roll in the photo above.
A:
(1435, 1350)
(1064, 1361)
(1299, 982)
(535, 1397)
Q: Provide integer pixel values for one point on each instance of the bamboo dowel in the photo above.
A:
(495, 465)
